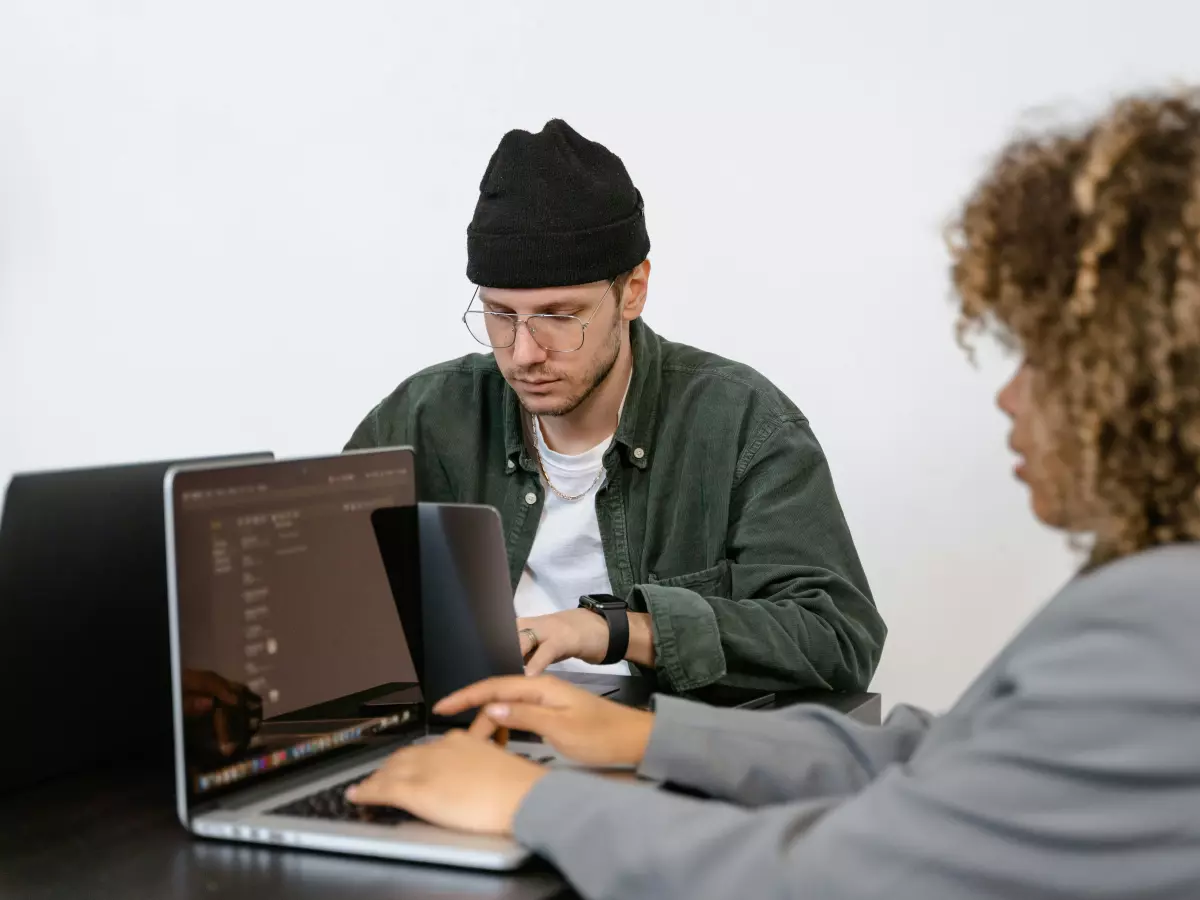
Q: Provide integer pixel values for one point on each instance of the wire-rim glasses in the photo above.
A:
(550, 331)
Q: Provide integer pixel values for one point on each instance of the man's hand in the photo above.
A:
(220, 716)
(202, 689)
(580, 634)
(459, 782)
(571, 634)
(577, 723)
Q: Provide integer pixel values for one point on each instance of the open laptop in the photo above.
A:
(83, 619)
(464, 612)
(284, 627)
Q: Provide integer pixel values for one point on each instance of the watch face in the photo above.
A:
(605, 604)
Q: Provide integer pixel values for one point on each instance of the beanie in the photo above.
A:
(554, 209)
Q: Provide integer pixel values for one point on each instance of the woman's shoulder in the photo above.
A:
(1163, 577)
(1129, 629)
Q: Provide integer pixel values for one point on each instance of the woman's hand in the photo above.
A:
(577, 723)
(458, 782)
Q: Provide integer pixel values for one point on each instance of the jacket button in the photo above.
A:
(638, 453)
(531, 498)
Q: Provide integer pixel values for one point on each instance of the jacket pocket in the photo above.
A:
(713, 581)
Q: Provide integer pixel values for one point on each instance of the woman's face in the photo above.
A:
(1039, 466)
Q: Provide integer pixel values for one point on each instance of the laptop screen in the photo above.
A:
(286, 622)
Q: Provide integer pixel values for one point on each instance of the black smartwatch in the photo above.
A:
(616, 613)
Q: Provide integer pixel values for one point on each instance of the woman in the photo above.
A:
(1071, 767)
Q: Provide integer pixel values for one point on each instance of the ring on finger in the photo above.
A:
(533, 638)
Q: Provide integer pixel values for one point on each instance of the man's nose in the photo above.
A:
(526, 351)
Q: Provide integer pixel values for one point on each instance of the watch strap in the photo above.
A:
(617, 617)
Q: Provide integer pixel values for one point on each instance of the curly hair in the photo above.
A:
(1081, 247)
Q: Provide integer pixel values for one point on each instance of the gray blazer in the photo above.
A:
(1070, 768)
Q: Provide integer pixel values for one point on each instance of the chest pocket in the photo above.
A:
(715, 581)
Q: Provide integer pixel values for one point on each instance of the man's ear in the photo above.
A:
(633, 295)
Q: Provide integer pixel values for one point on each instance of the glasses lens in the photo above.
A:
(561, 333)
(491, 329)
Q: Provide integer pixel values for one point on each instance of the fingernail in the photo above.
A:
(497, 711)
(350, 792)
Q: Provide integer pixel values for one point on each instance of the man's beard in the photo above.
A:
(593, 379)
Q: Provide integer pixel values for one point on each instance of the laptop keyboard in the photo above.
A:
(331, 803)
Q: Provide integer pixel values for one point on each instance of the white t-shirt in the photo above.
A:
(567, 557)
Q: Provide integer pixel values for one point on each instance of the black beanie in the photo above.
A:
(554, 209)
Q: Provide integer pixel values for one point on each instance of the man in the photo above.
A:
(679, 497)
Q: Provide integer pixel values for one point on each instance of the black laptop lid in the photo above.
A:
(462, 627)
(84, 661)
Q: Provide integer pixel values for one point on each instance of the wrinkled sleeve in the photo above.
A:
(757, 758)
(797, 611)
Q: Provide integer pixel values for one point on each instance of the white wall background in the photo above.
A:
(235, 225)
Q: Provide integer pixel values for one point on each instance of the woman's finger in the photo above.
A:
(516, 688)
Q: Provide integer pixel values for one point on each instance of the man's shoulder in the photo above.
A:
(439, 395)
(465, 372)
(692, 370)
(443, 381)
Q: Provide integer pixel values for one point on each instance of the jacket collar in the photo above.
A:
(635, 432)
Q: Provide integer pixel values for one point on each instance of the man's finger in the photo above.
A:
(221, 728)
(506, 687)
(212, 683)
(545, 655)
(197, 704)
(226, 694)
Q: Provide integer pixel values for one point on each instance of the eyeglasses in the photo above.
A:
(558, 334)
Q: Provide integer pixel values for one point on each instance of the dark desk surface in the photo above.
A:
(114, 835)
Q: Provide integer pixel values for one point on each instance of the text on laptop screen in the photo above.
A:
(286, 619)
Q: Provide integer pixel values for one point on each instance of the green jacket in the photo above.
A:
(718, 516)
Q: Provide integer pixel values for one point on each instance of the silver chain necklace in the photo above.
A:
(537, 449)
